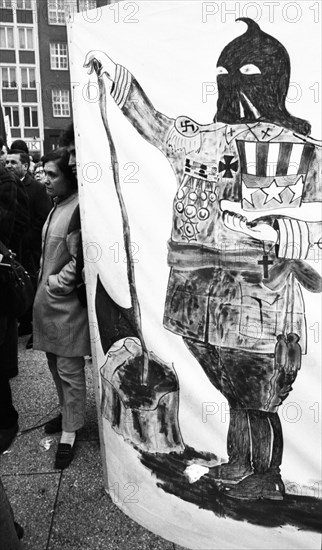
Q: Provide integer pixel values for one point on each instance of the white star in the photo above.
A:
(273, 192)
(247, 193)
(297, 189)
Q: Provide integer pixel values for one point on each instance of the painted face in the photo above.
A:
(13, 163)
(253, 73)
(57, 185)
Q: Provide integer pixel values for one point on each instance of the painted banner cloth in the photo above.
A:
(199, 165)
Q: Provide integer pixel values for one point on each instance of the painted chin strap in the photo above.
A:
(126, 229)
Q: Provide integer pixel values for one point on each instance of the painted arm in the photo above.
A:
(294, 239)
(298, 240)
(297, 232)
(130, 97)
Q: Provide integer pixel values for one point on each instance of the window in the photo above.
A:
(13, 114)
(28, 77)
(6, 38)
(8, 77)
(58, 56)
(61, 103)
(87, 5)
(31, 117)
(56, 12)
(5, 3)
(24, 4)
(26, 38)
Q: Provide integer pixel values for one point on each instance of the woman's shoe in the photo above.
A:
(19, 530)
(64, 455)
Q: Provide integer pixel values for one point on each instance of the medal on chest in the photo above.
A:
(196, 196)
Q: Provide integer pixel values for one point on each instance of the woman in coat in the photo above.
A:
(60, 321)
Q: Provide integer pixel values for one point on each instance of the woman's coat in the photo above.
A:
(60, 323)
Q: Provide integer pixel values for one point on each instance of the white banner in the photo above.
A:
(179, 360)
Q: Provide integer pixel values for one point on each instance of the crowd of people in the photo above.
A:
(40, 224)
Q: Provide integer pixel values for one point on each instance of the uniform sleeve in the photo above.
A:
(298, 240)
(136, 106)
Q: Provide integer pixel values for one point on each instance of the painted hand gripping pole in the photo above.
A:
(246, 220)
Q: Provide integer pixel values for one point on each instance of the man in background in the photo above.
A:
(39, 207)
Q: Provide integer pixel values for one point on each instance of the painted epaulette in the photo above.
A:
(185, 135)
(312, 141)
(263, 131)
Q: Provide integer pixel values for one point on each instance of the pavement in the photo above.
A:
(69, 509)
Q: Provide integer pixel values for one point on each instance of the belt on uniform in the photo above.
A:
(190, 257)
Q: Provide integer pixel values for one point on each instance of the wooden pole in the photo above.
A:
(126, 230)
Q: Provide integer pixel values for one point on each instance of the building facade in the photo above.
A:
(34, 69)
(20, 72)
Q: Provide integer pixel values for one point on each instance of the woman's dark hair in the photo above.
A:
(61, 158)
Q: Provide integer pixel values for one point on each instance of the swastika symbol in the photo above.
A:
(187, 125)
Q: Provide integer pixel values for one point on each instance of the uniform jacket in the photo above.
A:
(60, 322)
(218, 291)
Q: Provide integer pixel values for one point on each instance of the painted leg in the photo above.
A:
(238, 448)
(277, 453)
(264, 483)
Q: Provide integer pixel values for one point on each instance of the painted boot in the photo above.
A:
(238, 450)
(258, 486)
(266, 481)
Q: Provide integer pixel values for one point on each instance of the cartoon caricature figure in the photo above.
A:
(234, 291)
